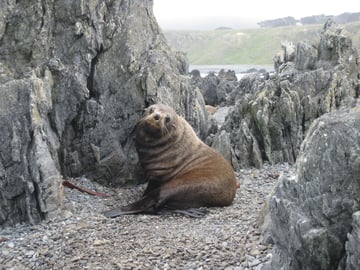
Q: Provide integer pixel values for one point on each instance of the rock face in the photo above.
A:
(315, 216)
(74, 79)
(271, 116)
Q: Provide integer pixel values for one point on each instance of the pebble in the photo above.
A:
(82, 238)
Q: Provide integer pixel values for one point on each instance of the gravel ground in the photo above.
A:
(81, 238)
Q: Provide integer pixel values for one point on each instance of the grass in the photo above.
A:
(250, 46)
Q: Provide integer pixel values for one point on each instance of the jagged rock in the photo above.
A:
(289, 51)
(208, 88)
(215, 88)
(30, 182)
(271, 117)
(312, 214)
(227, 75)
(306, 56)
(74, 79)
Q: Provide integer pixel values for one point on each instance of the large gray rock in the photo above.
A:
(74, 79)
(30, 182)
(314, 217)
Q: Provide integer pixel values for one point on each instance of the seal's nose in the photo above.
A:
(157, 116)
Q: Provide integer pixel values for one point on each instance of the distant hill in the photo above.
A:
(252, 46)
(315, 19)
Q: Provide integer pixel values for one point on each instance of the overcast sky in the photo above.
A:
(209, 14)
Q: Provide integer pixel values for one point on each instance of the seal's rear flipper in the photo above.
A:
(119, 212)
(191, 212)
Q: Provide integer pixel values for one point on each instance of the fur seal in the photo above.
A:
(182, 171)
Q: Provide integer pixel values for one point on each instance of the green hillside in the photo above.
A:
(252, 46)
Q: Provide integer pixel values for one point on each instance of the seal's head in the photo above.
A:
(158, 121)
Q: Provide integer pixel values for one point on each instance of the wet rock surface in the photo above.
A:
(82, 238)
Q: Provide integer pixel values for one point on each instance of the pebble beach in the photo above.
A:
(82, 238)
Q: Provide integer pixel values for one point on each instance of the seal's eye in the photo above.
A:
(151, 110)
(167, 119)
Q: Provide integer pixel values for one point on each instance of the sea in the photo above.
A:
(240, 70)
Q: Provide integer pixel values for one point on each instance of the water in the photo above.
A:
(240, 70)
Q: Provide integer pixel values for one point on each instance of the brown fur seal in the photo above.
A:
(181, 170)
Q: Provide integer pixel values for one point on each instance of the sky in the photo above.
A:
(210, 14)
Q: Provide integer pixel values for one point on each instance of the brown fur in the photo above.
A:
(181, 170)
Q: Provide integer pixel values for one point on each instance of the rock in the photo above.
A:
(352, 246)
(215, 88)
(306, 55)
(208, 89)
(227, 75)
(312, 214)
(211, 109)
(195, 73)
(221, 114)
(289, 51)
(28, 168)
(221, 143)
(270, 118)
(74, 79)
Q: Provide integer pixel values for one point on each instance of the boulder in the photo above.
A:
(315, 216)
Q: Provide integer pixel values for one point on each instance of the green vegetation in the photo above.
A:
(251, 46)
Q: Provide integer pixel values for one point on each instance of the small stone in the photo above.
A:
(255, 262)
(5, 252)
(29, 253)
(99, 242)
(254, 252)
